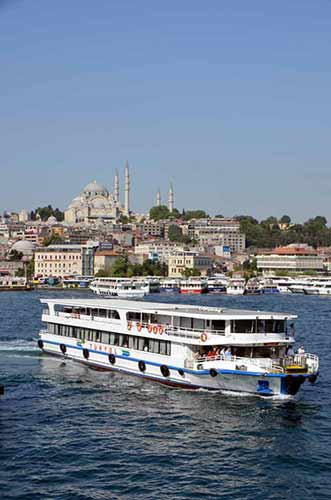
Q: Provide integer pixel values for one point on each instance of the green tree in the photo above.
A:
(195, 214)
(175, 233)
(159, 213)
(14, 255)
(120, 267)
(285, 219)
(188, 273)
(52, 240)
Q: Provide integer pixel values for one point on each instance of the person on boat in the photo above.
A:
(228, 352)
(290, 352)
(301, 350)
(211, 353)
(199, 354)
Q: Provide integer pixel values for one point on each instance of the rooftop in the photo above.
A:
(171, 309)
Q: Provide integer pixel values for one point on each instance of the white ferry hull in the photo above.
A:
(209, 379)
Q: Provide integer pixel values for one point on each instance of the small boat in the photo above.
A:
(253, 287)
(216, 285)
(119, 287)
(180, 345)
(318, 289)
(170, 285)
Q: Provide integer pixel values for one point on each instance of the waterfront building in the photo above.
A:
(104, 260)
(158, 250)
(292, 258)
(217, 231)
(65, 260)
(179, 261)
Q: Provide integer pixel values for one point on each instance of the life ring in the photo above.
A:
(63, 348)
(129, 325)
(161, 330)
(155, 329)
(203, 337)
(150, 328)
(139, 327)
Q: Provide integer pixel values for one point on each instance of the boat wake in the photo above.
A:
(18, 345)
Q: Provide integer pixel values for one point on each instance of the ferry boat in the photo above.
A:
(236, 286)
(170, 285)
(193, 285)
(253, 287)
(180, 345)
(119, 287)
(318, 289)
(216, 285)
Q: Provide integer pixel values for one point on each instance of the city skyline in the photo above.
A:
(229, 102)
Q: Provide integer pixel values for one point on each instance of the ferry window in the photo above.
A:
(125, 341)
(113, 314)
(102, 313)
(116, 339)
(133, 316)
(145, 318)
(105, 338)
(218, 324)
(243, 326)
(142, 343)
(163, 347)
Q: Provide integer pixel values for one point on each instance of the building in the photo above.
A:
(178, 262)
(96, 203)
(104, 260)
(217, 231)
(65, 260)
(158, 250)
(292, 258)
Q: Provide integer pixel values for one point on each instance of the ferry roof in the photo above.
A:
(187, 310)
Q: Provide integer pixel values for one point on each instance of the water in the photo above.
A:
(69, 432)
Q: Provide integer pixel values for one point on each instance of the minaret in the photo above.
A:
(116, 189)
(127, 190)
(171, 199)
(158, 198)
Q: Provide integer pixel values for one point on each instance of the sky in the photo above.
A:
(228, 100)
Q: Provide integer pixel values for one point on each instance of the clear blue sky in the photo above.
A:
(230, 100)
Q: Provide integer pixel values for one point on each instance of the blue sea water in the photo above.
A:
(68, 432)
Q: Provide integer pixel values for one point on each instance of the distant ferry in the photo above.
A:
(119, 287)
(194, 285)
(180, 345)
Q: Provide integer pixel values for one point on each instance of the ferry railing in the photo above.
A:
(176, 331)
(241, 362)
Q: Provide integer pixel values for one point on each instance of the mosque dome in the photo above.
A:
(98, 203)
(52, 220)
(24, 246)
(95, 189)
(76, 202)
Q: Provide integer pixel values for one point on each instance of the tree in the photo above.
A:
(45, 212)
(120, 267)
(195, 214)
(159, 213)
(124, 219)
(188, 273)
(14, 255)
(285, 219)
(175, 233)
(51, 240)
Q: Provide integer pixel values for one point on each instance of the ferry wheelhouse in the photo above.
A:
(180, 345)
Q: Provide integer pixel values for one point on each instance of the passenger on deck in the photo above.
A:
(301, 350)
(289, 351)
(227, 352)
(211, 353)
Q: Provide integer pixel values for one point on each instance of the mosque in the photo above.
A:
(96, 203)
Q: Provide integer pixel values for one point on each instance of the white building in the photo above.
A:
(292, 258)
(178, 262)
(156, 250)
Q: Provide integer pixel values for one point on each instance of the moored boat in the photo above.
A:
(119, 287)
(180, 345)
(194, 285)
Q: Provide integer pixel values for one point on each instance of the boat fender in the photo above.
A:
(40, 344)
(86, 353)
(112, 359)
(181, 372)
(203, 337)
(213, 372)
(150, 328)
(142, 366)
(312, 378)
(139, 327)
(165, 370)
(63, 348)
